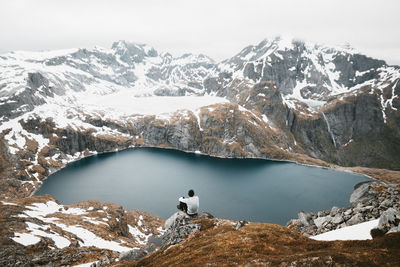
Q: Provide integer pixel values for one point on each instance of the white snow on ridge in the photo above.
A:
(39, 55)
(42, 211)
(125, 103)
(37, 230)
(140, 237)
(25, 239)
(355, 232)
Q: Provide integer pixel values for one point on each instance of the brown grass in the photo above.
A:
(268, 244)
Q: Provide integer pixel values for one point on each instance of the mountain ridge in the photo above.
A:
(305, 104)
(279, 99)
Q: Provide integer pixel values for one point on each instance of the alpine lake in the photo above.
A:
(152, 180)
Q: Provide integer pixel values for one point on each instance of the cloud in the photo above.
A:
(219, 29)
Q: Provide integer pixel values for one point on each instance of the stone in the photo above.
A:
(337, 219)
(292, 222)
(360, 193)
(240, 224)
(304, 218)
(133, 255)
(320, 221)
(389, 219)
(348, 212)
(386, 203)
(334, 210)
(173, 218)
(356, 219)
(178, 226)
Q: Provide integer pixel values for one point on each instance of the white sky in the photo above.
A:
(217, 28)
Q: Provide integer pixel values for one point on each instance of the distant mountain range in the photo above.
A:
(280, 99)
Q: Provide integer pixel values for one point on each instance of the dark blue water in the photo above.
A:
(153, 179)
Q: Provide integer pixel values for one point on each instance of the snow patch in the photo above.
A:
(140, 237)
(25, 239)
(355, 232)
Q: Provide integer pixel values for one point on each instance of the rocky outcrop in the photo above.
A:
(39, 231)
(389, 222)
(369, 200)
(177, 227)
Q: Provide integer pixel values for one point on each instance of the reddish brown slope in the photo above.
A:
(261, 244)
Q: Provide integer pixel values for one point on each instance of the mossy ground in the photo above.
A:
(262, 244)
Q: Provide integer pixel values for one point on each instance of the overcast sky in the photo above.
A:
(218, 28)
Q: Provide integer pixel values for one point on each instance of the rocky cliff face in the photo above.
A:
(282, 99)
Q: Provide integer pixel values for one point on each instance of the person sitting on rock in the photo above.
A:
(190, 205)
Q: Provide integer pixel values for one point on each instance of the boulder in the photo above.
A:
(337, 219)
(179, 215)
(304, 218)
(348, 212)
(386, 203)
(356, 219)
(360, 193)
(320, 221)
(389, 219)
(334, 210)
(179, 226)
(137, 253)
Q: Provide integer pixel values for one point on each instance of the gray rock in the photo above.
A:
(320, 221)
(386, 203)
(334, 210)
(102, 262)
(388, 219)
(304, 218)
(356, 219)
(178, 227)
(136, 254)
(360, 193)
(337, 219)
(348, 212)
(240, 224)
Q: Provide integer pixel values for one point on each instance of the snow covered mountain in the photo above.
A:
(282, 99)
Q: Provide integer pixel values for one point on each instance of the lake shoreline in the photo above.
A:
(260, 160)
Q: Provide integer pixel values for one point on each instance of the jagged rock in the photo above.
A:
(102, 262)
(386, 203)
(389, 219)
(360, 193)
(304, 218)
(337, 219)
(321, 221)
(357, 218)
(240, 224)
(177, 227)
(136, 254)
(334, 211)
(179, 215)
(348, 212)
(365, 208)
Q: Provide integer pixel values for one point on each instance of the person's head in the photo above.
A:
(191, 193)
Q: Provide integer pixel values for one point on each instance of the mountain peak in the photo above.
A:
(132, 51)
